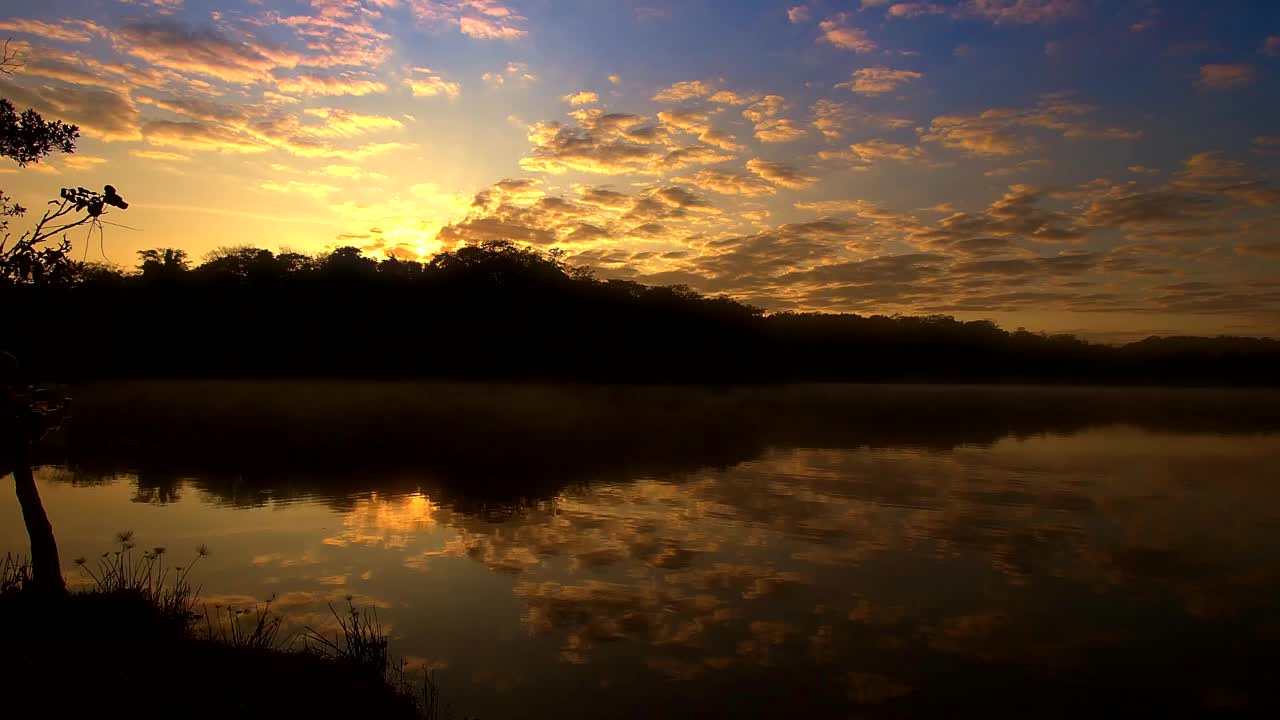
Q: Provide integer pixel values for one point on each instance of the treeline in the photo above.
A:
(503, 311)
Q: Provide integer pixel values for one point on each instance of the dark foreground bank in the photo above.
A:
(131, 646)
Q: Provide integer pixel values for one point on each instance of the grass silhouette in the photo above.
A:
(136, 642)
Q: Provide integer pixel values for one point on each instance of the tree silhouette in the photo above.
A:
(28, 137)
(162, 263)
(34, 259)
(499, 310)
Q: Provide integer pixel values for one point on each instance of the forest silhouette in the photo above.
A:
(505, 311)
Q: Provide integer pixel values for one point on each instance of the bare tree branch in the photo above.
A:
(10, 58)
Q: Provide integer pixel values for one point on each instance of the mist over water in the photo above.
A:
(810, 551)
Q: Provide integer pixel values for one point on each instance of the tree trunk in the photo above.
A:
(46, 570)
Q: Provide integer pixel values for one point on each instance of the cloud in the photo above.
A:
(100, 114)
(338, 122)
(1264, 143)
(874, 150)
(767, 107)
(877, 80)
(1226, 77)
(423, 82)
(836, 31)
(685, 90)
(612, 144)
(799, 15)
(346, 83)
(513, 71)
(1151, 213)
(1262, 249)
(647, 13)
(203, 52)
(615, 79)
(690, 121)
(480, 19)
(720, 139)
(253, 128)
(1004, 131)
(341, 34)
(1024, 12)
(834, 207)
(698, 122)
(1271, 46)
(601, 197)
(778, 130)
(833, 119)
(510, 189)
(1211, 197)
(780, 174)
(582, 97)
(1020, 168)
(160, 155)
(487, 29)
(729, 97)
(909, 10)
(200, 136)
(517, 210)
(1017, 215)
(727, 183)
(82, 162)
(316, 190)
(72, 68)
(161, 7)
(768, 127)
(65, 30)
(1215, 173)
(1207, 171)
(681, 157)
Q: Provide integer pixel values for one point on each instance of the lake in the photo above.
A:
(812, 551)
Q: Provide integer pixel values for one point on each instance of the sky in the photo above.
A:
(1101, 167)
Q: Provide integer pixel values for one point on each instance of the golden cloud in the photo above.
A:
(690, 121)
(200, 136)
(877, 80)
(346, 83)
(833, 119)
(582, 97)
(203, 52)
(780, 174)
(727, 183)
(908, 10)
(767, 107)
(101, 114)
(1023, 12)
(873, 150)
(686, 90)
(423, 82)
(160, 155)
(799, 15)
(480, 19)
(836, 31)
(1226, 77)
(1004, 131)
(778, 130)
(65, 30)
(316, 190)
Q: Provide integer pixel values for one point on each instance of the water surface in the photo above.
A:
(824, 551)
